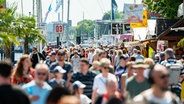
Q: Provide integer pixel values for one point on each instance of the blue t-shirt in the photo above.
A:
(32, 89)
(118, 72)
(54, 84)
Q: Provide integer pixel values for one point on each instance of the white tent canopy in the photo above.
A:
(180, 10)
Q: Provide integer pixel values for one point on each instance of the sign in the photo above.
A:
(58, 28)
(133, 13)
(127, 27)
(144, 22)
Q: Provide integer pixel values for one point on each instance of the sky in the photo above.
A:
(92, 9)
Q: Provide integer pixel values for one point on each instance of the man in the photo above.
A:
(52, 58)
(139, 56)
(75, 62)
(138, 83)
(99, 86)
(10, 94)
(158, 93)
(101, 55)
(65, 65)
(85, 76)
(121, 69)
(38, 87)
(90, 56)
(36, 57)
(162, 57)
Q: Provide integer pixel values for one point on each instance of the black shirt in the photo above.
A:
(87, 79)
(12, 95)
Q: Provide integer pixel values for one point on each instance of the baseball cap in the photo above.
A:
(52, 53)
(79, 84)
(123, 57)
(59, 69)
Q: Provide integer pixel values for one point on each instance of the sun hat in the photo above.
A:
(139, 63)
(78, 84)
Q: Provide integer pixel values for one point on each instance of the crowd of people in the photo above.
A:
(103, 75)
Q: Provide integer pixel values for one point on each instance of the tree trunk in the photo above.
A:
(26, 45)
(7, 51)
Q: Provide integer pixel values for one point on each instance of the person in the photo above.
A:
(85, 76)
(10, 94)
(99, 86)
(60, 95)
(82, 53)
(58, 81)
(90, 56)
(95, 67)
(162, 57)
(112, 56)
(65, 65)
(121, 69)
(117, 58)
(158, 93)
(125, 76)
(78, 88)
(138, 83)
(157, 58)
(23, 72)
(36, 57)
(75, 62)
(139, 56)
(112, 91)
(38, 87)
(101, 55)
(149, 62)
(52, 58)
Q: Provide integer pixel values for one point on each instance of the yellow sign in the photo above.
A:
(144, 22)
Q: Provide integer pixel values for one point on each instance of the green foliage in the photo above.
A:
(167, 8)
(181, 43)
(85, 27)
(118, 16)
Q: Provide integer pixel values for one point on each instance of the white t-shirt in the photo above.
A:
(75, 63)
(84, 99)
(90, 58)
(151, 98)
(100, 83)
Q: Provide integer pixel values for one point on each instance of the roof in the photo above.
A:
(173, 35)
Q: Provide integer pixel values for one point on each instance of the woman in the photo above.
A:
(117, 58)
(78, 88)
(95, 67)
(125, 76)
(75, 62)
(23, 72)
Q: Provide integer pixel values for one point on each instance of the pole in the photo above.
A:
(22, 7)
(112, 14)
(68, 17)
(62, 10)
(183, 9)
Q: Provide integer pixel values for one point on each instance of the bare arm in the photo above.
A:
(94, 95)
(123, 77)
(69, 76)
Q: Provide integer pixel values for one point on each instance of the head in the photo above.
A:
(119, 52)
(169, 53)
(135, 51)
(34, 49)
(24, 62)
(61, 55)
(111, 86)
(78, 87)
(75, 53)
(58, 72)
(159, 77)
(60, 95)
(5, 72)
(111, 52)
(84, 64)
(132, 58)
(129, 66)
(52, 56)
(123, 60)
(149, 62)
(101, 55)
(95, 66)
(105, 65)
(41, 72)
(162, 56)
(140, 66)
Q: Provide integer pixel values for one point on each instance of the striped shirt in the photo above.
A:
(87, 79)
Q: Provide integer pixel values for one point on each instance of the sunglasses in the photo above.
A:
(164, 76)
(59, 54)
(106, 67)
(43, 74)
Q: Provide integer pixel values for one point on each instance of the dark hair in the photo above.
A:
(132, 58)
(56, 94)
(115, 100)
(84, 60)
(101, 52)
(5, 68)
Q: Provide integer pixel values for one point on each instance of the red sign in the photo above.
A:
(59, 28)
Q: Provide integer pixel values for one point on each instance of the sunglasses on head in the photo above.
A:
(164, 76)
(43, 74)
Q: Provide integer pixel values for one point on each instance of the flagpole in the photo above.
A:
(112, 11)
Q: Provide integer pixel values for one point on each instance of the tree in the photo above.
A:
(28, 32)
(181, 43)
(7, 30)
(167, 8)
(85, 28)
(118, 16)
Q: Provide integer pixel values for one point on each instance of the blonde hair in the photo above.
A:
(41, 66)
(149, 62)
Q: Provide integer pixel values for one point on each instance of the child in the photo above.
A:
(78, 90)
(58, 81)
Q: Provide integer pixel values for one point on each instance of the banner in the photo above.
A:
(144, 22)
(133, 13)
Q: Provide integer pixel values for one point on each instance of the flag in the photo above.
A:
(47, 13)
(58, 5)
(114, 5)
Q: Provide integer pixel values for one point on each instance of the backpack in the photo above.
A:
(174, 69)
